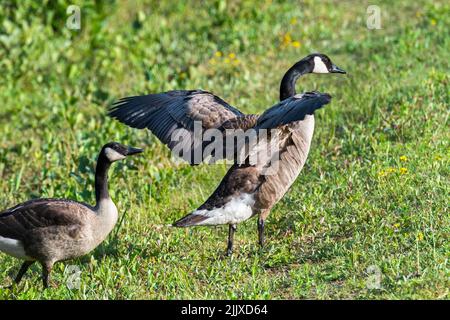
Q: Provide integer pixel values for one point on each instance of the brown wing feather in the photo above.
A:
(244, 122)
(175, 112)
(41, 213)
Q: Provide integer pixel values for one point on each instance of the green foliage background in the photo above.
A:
(374, 192)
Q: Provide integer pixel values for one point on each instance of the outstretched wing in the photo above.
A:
(292, 109)
(175, 111)
(41, 213)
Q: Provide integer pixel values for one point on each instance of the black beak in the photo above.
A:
(132, 151)
(336, 69)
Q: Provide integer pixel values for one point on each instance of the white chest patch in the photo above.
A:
(319, 66)
(113, 155)
(13, 247)
(237, 210)
(108, 215)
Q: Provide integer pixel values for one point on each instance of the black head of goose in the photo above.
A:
(245, 190)
(51, 230)
(313, 63)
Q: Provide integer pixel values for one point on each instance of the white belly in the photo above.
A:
(13, 247)
(237, 210)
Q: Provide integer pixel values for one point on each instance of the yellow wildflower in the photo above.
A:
(403, 170)
(287, 39)
(420, 236)
(403, 158)
(293, 21)
(381, 173)
(236, 62)
(218, 54)
(296, 44)
(232, 56)
(396, 225)
(433, 22)
(227, 60)
(390, 170)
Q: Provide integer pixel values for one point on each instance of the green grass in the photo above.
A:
(352, 208)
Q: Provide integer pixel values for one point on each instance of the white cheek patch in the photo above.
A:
(319, 66)
(113, 155)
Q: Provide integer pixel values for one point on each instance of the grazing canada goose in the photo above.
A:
(51, 230)
(245, 191)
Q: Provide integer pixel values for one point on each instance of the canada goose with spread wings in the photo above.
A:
(244, 188)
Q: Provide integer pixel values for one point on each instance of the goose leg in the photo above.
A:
(46, 270)
(22, 271)
(231, 231)
(261, 232)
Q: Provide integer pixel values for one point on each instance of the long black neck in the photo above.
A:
(101, 178)
(287, 87)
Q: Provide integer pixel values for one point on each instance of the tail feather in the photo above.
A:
(190, 220)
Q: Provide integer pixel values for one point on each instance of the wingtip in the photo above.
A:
(113, 108)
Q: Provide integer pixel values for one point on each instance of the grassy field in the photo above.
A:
(368, 218)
